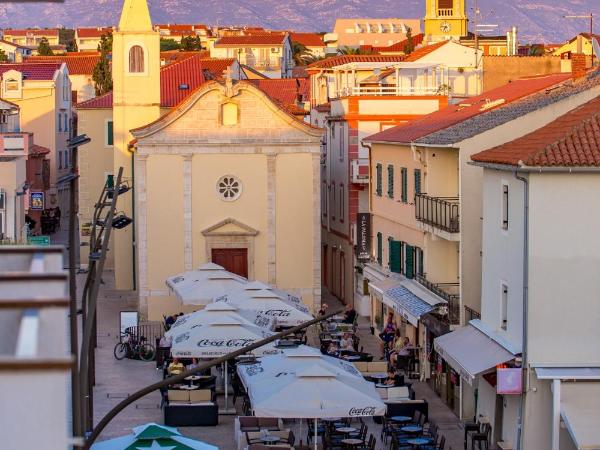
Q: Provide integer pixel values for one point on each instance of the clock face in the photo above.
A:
(445, 27)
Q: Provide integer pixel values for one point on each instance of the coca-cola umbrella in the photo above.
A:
(259, 286)
(200, 286)
(268, 303)
(313, 393)
(293, 360)
(215, 311)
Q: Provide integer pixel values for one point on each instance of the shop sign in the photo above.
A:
(36, 201)
(363, 245)
(509, 381)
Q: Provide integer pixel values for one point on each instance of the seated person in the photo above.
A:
(349, 314)
(333, 349)
(394, 379)
(175, 368)
(193, 364)
(346, 343)
(323, 309)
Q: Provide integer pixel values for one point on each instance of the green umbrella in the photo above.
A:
(154, 437)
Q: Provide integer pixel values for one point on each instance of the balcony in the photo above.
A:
(445, 12)
(262, 64)
(360, 171)
(441, 213)
(447, 291)
(398, 91)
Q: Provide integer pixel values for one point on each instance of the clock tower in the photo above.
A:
(445, 19)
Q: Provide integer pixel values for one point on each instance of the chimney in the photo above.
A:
(578, 65)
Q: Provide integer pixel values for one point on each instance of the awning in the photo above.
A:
(471, 352)
(377, 288)
(567, 373)
(407, 304)
(581, 414)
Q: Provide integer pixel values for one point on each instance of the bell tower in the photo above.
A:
(136, 102)
(445, 19)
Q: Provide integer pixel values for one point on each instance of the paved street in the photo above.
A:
(117, 379)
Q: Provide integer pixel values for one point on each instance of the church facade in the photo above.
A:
(226, 174)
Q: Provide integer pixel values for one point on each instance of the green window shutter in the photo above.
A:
(409, 269)
(420, 263)
(404, 192)
(395, 256)
(378, 189)
(110, 183)
(109, 133)
(390, 181)
(417, 181)
(379, 248)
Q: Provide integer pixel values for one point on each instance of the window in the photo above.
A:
(390, 170)
(60, 159)
(229, 188)
(419, 261)
(110, 138)
(136, 59)
(333, 204)
(446, 4)
(342, 203)
(324, 198)
(417, 181)
(378, 188)
(342, 149)
(404, 187)
(59, 122)
(395, 256)
(409, 261)
(11, 85)
(229, 114)
(505, 206)
(379, 248)
(333, 130)
(504, 305)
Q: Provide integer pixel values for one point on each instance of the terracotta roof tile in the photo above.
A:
(424, 51)
(308, 39)
(216, 66)
(77, 65)
(38, 150)
(95, 32)
(467, 109)
(172, 56)
(252, 39)
(102, 102)
(33, 71)
(34, 32)
(399, 46)
(571, 140)
(345, 59)
(285, 90)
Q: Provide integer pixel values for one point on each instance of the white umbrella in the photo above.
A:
(294, 360)
(268, 303)
(200, 286)
(259, 286)
(214, 311)
(314, 392)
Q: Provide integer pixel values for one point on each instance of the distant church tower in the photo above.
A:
(136, 102)
(445, 19)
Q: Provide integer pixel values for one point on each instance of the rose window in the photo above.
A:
(229, 188)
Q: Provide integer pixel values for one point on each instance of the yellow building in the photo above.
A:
(88, 39)
(445, 19)
(32, 36)
(571, 46)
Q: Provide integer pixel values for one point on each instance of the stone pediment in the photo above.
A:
(230, 227)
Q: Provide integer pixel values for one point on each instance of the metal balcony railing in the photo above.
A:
(439, 212)
(471, 314)
(447, 291)
(401, 91)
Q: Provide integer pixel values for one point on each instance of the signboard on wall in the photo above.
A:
(36, 202)
(509, 381)
(363, 236)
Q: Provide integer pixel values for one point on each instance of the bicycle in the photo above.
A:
(129, 347)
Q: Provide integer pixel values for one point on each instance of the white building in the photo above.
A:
(540, 264)
(35, 364)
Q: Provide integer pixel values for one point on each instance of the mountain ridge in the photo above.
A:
(537, 20)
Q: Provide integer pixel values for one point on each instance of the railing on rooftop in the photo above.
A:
(447, 291)
(389, 90)
(439, 212)
(471, 314)
(445, 12)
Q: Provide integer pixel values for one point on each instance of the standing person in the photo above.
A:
(387, 335)
(400, 350)
(323, 309)
(349, 314)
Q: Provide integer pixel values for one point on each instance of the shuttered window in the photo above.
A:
(395, 256)
(390, 191)
(409, 267)
(378, 181)
(136, 59)
(417, 181)
(419, 263)
(446, 4)
(404, 180)
(379, 248)
(109, 133)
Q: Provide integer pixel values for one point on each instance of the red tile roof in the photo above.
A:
(345, 59)
(96, 32)
(177, 81)
(77, 65)
(172, 56)
(399, 46)
(216, 66)
(251, 39)
(286, 91)
(32, 71)
(571, 140)
(424, 51)
(308, 39)
(38, 150)
(181, 28)
(468, 108)
(34, 32)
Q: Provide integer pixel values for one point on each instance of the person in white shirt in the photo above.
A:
(346, 343)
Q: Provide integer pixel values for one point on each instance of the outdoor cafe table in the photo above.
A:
(418, 442)
(378, 376)
(269, 439)
(188, 388)
(400, 419)
(346, 430)
(412, 429)
(351, 357)
(352, 443)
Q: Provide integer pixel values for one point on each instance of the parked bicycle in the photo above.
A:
(130, 347)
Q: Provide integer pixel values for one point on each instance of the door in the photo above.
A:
(234, 260)
(324, 281)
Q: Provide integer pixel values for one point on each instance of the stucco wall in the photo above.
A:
(500, 70)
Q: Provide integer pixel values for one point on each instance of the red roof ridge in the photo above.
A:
(424, 51)
(100, 102)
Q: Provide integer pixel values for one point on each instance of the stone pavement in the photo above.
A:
(117, 379)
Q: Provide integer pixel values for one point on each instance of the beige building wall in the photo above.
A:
(501, 70)
(12, 177)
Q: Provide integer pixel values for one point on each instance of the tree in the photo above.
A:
(191, 44)
(354, 51)
(300, 53)
(44, 48)
(3, 56)
(102, 75)
(169, 44)
(410, 42)
(66, 36)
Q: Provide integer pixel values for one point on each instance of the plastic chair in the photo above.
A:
(482, 438)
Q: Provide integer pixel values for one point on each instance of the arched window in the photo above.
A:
(136, 59)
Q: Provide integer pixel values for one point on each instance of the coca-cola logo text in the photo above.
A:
(276, 312)
(366, 411)
(224, 342)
